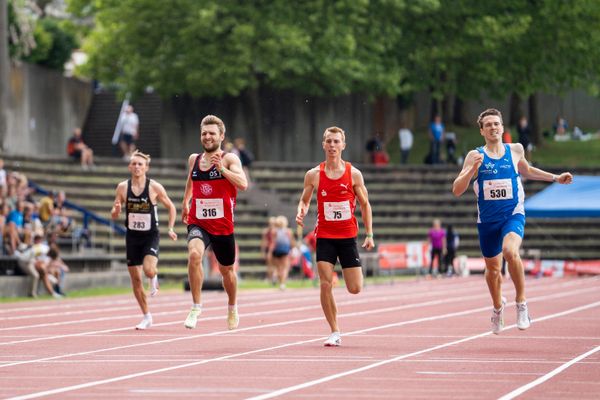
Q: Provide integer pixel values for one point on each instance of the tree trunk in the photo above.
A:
(253, 113)
(459, 116)
(534, 120)
(515, 111)
(4, 72)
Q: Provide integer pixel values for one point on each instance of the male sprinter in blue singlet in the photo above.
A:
(497, 169)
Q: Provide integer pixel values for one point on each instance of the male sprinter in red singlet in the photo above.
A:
(212, 184)
(140, 196)
(338, 186)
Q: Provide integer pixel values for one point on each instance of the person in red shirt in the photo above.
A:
(338, 185)
(208, 204)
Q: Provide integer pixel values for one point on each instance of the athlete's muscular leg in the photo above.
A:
(195, 272)
(229, 283)
(327, 300)
(510, 250)
(354, 279)
(135, 273)
(493, 278)
(150, 266)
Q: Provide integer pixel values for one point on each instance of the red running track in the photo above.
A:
(414, 340)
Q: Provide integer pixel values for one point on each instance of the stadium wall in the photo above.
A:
(44, 107)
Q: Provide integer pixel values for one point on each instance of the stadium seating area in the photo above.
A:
(405, 200)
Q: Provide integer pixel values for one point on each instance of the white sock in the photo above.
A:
(197, 306)
(147, 316)
(232, 307)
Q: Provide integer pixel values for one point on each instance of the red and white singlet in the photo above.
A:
(213, 200)
(336, 203)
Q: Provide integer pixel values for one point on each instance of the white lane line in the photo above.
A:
(280, 392)
(306, 384)
(270, 312)
(542, 379)
(362, 300)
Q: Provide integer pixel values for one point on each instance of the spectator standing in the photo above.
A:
(452, 242)
(437, 237)
(524, 132)
(282, 241)
(129, 132)
(265, 249)
(79, 151)
(436, 136)
(406, 144)
(246, 157)
(373, 146)
(450, 138)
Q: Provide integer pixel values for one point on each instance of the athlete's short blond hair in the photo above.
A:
(145, 156)
(335, 129)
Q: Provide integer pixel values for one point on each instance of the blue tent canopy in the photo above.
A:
(579, 199)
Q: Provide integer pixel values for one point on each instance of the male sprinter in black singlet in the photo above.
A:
(140, 195)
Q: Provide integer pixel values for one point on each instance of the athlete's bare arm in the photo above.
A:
(119, 199)
(187, 195)
(469, 170)
(161, 195)
(360, 190)
(530, 172)
(231, 168)
(311, 181)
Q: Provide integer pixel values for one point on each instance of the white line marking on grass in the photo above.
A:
(549, 375)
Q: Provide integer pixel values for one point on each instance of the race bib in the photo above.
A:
(139, 222)
(209, 208)
(497, 189)
(337, 211)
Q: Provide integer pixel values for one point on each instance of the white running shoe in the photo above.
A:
(334, 340)
(498, 318)
(233, 319)
(523, 319)
(154, 286)
(145, 324)
(192, 318)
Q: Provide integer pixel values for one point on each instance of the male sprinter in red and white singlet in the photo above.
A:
(208, 205)
(338, 186)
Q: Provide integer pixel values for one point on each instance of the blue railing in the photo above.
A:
(87, 214)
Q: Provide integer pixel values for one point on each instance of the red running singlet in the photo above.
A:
(213, 200)
(336, 203)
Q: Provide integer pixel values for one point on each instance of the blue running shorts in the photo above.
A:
(491, 234)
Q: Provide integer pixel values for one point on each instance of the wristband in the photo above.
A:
(221, 169)
(369, 235)
(171, 230)
(554, 178)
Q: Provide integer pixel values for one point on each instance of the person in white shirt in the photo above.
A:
(129, 132)
(406, 143)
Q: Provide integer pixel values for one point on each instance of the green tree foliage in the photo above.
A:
(462, 48)
(222, 47)
(37, 38)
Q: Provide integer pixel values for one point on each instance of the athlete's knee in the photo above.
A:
(326, 286)
(510, 254)
(354, 289)
(195, 257)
